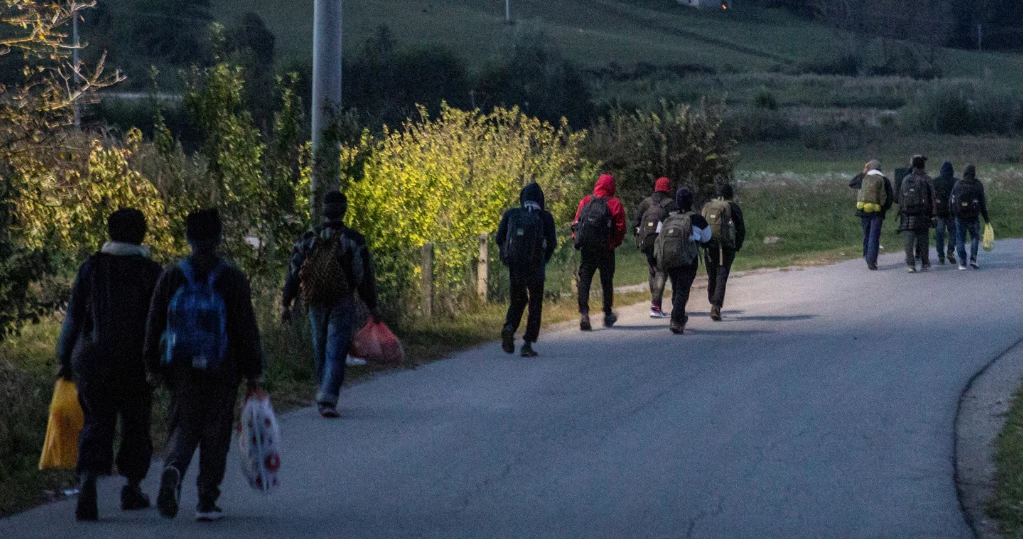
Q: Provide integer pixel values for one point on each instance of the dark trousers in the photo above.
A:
(681, 285)
(917, 246)
(945, 237)
(719, 266)
(102, 404)
(591, 262)
(202, 416)
(521, 295)
(658, 280)
(872, 226)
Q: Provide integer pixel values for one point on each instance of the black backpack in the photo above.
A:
(593, 230)
(966, 200)
(523, 246)
(914, 196)
(652, 219)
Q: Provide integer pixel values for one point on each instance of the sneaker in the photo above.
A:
(170, 492)
(911, 269)
(88, 506)
(677, 329)
(508, 340)
(962, 267)
(208, 512)
(872, 267)
(941, 261)
(657, 313)
(974, 265)
(133, 499)
(610, 319)
(925, 267)
(354, 361)
(715, 313)
(527, 350)
(951, 258)
(328, 411)
(584, 323)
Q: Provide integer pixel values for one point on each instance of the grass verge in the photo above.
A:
(1007, 505)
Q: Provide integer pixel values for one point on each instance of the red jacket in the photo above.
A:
(605, 188)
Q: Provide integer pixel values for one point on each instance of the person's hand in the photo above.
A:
(286, 316)
(255, 385)
(64, 373)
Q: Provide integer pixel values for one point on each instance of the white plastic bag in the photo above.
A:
(259, 443)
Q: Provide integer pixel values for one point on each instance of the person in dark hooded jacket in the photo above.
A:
(682, 277)
(915, 216)
(658, 206)
(969, 204)
(946, 226)
(719, 258)
(101, 346)
(527, 240)
(601, 257)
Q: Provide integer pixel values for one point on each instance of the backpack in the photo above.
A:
(872, 195)
(197, 323)
(650, 225)
(966, 200)
(324, 281)
(718, 214)
(675, 247)
(914, 196)
(523, 246)
(593, 230)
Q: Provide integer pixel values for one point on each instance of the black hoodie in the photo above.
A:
(530, 199)
(970, 187)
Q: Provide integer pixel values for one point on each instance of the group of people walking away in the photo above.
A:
(132, 326)
(952, 206)
(671, 235)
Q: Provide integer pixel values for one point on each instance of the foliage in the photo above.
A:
(965, 109)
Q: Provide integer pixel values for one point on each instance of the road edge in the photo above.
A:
(980, 416)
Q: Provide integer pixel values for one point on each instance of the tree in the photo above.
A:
(172, 30)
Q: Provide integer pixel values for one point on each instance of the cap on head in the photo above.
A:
(684, 199)
(663, 185)
(335, 206)
(919, 162)
(203, 228)
(127, 225)
(724, 190)
(873, 164)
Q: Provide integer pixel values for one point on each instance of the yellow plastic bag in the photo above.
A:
(60, 450)
(989, 238)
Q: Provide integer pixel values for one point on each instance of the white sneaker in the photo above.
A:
(354, 361)
(962, 267)
(654, 313)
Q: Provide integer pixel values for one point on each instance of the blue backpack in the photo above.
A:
(196, 323)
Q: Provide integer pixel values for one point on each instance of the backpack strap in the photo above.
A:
(186, 268)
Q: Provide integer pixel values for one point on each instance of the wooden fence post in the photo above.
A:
(483, 267)
(427, 271)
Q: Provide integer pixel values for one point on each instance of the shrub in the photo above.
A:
(765, 99)
(761, 124)
(964, 109)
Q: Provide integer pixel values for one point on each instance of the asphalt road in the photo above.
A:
(822, 407)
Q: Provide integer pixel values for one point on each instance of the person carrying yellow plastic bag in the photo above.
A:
(969, 204)
(60, 450)
(989, 238)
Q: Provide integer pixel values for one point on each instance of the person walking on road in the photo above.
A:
(101, 347)
(599, 229)
(916, 213)
(677, 253)
(944, 184)
(202, 339)
(728, 233)
(649, 215)
(527, 239)
(329, 265)
(969, 204)
(875, 197)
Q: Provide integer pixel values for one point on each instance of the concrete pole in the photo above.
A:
(326, 99)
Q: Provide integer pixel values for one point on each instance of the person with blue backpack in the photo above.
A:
(201, 340)
(527, 240)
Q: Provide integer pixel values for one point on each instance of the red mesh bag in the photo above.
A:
(377, 344)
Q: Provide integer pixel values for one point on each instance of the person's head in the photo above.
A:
(335, 206)
(203, 230)
(605, 186)
(919, 162)
(684, 199)
(946, 170)
(663, 185)
(873, 164)
(970, 172)
(532, 193)
(725, 191)
(127, 225)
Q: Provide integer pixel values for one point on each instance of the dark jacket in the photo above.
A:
(857, 182)
(918, 223)
(662, 199)
(970, 180)
(244, 351)
(943, 186)
(105, 327)
(530, 199)
(367, 284)
(605, 188)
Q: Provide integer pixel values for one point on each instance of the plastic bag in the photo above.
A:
(60, 449)
(259, 442)
(377, 343)
(989, 238)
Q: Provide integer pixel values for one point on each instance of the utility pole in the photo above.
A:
(507, 11)
(326, 100)
(77, 44)
(980, 36)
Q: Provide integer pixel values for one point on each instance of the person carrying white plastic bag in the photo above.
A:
(259, 443)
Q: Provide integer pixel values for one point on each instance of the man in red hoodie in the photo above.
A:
(599, 229)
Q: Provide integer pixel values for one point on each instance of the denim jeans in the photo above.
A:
(945, 224)
(333, 328)
(964, 226)
(871, 237)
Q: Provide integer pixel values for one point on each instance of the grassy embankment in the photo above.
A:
(1007, 505)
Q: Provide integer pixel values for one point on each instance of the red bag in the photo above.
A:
(377, 344)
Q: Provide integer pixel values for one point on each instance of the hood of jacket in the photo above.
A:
(605, 186)
(970, 173)
(946, 171)
(532, 193)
